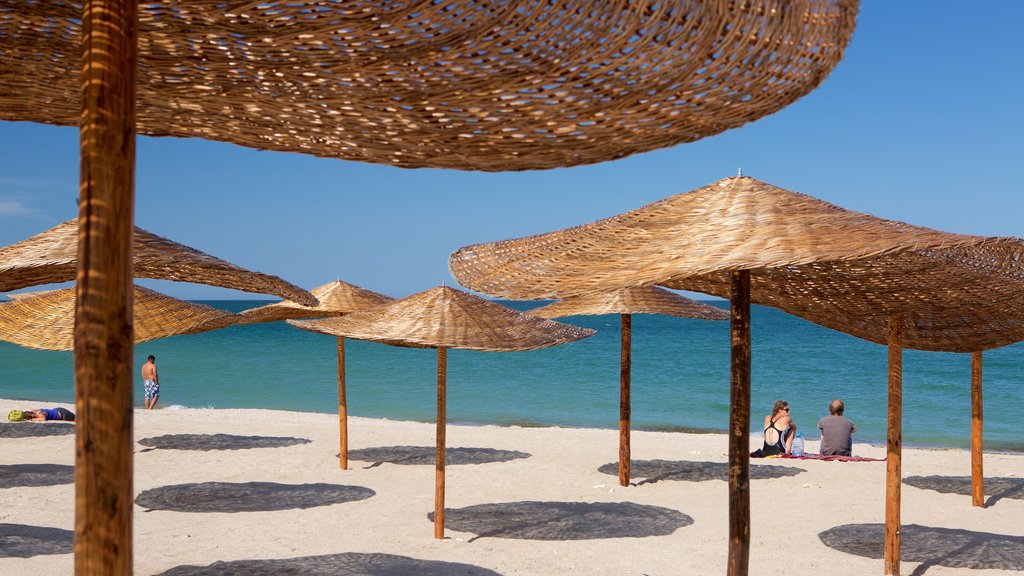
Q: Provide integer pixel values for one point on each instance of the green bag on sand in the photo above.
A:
(16, 416)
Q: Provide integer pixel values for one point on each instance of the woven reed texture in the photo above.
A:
(637, 300)
(336, 298)
(47, 321)
(838, 268)
(52, 257)
(444, 317)
(33, 294)
(453, 84)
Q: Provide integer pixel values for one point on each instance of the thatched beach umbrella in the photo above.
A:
(52, 256)
(501, 86)
(444, 318)
(45, 320)
(625, 303)
(507, 87)
(884, 281)
(336, 299)
(104, 463)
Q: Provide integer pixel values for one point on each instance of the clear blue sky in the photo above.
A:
(923, 121)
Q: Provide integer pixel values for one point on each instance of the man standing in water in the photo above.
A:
(151, 382)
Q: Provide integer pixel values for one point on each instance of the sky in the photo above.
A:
(922, 121)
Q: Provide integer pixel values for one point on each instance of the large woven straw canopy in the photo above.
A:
(52, 257)
(46, 321)
(839, 268)
(456, 84)
(444, 317)
(636, 300)
(336, 298)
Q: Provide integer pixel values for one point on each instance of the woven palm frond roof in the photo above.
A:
(46, 321)
(839, 268)
(452, 83)
(444, 317)
(336, 298)
(52, 256)
(635, 300)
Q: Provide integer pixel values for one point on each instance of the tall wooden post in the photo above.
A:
(977, 428)
(342, 405)
(624, 402)
(739, 426)
(103, 308)
(442, 416)
(894, 445)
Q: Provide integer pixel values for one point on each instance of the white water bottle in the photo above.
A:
(798, 445)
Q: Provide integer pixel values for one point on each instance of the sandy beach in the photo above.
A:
(534, 501)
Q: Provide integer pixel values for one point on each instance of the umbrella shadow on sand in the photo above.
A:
(248, 496)
(997, 488)
(565, 520)
(23, 541)
(204, 442)
(34, 429)
(952, 548)
(426, 455)
(657, 470)
(349, 563)
(35, 475)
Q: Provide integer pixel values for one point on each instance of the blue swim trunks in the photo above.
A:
(152, 388)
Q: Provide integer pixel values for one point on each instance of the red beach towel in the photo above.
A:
(832, 458)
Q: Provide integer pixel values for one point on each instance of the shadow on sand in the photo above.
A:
(997, 488)
(219, 442)
(424, 455)
(35, 429)
(34, 475)
(564, 520)
(248, 496)
(932, 546)
(657, 470)
(348, 564)
(22, 541)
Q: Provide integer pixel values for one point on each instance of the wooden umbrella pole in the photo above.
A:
(624, 403)
(342, 405)
(894, 443)
(977, 428)
(442, 368)
(739, 426)
(103, 310)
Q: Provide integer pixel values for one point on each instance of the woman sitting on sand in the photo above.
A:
(42, 414)
(779, 430)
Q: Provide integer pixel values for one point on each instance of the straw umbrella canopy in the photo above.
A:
(842, 269)
(505, 86)
(336, 299)
(881, 280)
(45, 320)
(444, 318)
(625, 303)
(52, 256)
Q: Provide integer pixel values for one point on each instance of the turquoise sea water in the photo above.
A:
(680, 378)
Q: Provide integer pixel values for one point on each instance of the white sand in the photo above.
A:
(788, 513)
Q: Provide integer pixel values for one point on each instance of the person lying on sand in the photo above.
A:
(41, 415)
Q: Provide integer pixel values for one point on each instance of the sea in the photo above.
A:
(680, 378)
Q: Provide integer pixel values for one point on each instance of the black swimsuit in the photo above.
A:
(779, 446)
